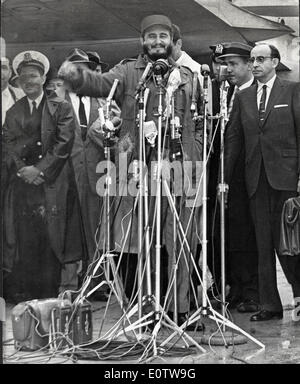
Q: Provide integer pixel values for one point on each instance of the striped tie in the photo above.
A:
(262, 105)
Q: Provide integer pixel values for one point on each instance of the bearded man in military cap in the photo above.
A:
(156, 41)
(41, 212)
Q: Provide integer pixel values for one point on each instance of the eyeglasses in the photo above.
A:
(259, 59)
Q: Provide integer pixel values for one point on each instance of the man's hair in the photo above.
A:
(274, 51)
(176, 33)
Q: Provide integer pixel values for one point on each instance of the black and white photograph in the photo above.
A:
(150, 185)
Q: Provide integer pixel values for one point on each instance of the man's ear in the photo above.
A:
(44, 79)
(249, 66)
(141, 41)
(179, 43)
(275, 62)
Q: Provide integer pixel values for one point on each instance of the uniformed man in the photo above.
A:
(41, 211)
(241, 242)
(156, 39)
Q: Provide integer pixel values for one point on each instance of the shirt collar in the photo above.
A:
(6, 92)
(269, 83)
(37, 100)
(246, 85)
(181, 58)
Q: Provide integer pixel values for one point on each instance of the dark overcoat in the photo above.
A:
(57, 137)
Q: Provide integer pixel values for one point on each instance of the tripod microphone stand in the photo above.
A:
(108, 131)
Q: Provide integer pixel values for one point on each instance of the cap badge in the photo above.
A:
(27, 56)
(219, 49)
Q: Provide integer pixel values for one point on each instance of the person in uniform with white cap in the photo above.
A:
(41, 212)
(156, 40)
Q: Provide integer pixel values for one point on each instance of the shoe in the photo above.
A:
(265, 315)
(247, 306)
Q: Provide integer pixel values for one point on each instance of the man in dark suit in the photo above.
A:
(87, 152)
(242, 257)
(265, 122)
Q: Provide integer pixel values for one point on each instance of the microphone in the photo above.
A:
(112, 91)
(193, 103)
(143, 78)
(205, 72)
(160, 67)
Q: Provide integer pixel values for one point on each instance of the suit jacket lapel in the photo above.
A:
(253, 101)
(275, 93)
(20, 115)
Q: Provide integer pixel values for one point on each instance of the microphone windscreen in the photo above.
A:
(223, 74)
(205, 70)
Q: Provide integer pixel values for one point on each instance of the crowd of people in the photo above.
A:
(54, 137)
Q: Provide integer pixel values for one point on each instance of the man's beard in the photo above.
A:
(156, 56)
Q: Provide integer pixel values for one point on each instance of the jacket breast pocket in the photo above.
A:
(289, 152)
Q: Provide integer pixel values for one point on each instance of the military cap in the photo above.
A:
(31, 58)
(77, 55)
(94, 56)
(232, 49)
(151, 20)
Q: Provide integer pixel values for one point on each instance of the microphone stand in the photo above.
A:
(222, 189)
(143, 203)
(204, 198)
(108, 132)
(158, 202)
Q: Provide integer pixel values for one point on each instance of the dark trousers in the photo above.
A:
(243, 275)
(36, 271)
(266, 207)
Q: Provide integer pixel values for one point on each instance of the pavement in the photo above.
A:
(270, 342)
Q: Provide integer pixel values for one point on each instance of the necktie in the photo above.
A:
(34, 108)
(82, 119)
(262, 105)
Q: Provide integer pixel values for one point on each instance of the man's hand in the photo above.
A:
(97, 127)
(69, 72)
(222, 188)
(38, 180)
(29, 174)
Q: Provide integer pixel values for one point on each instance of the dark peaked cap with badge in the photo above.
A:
(78, 56)
(151, 20)
(31, 58)
(232, 49)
